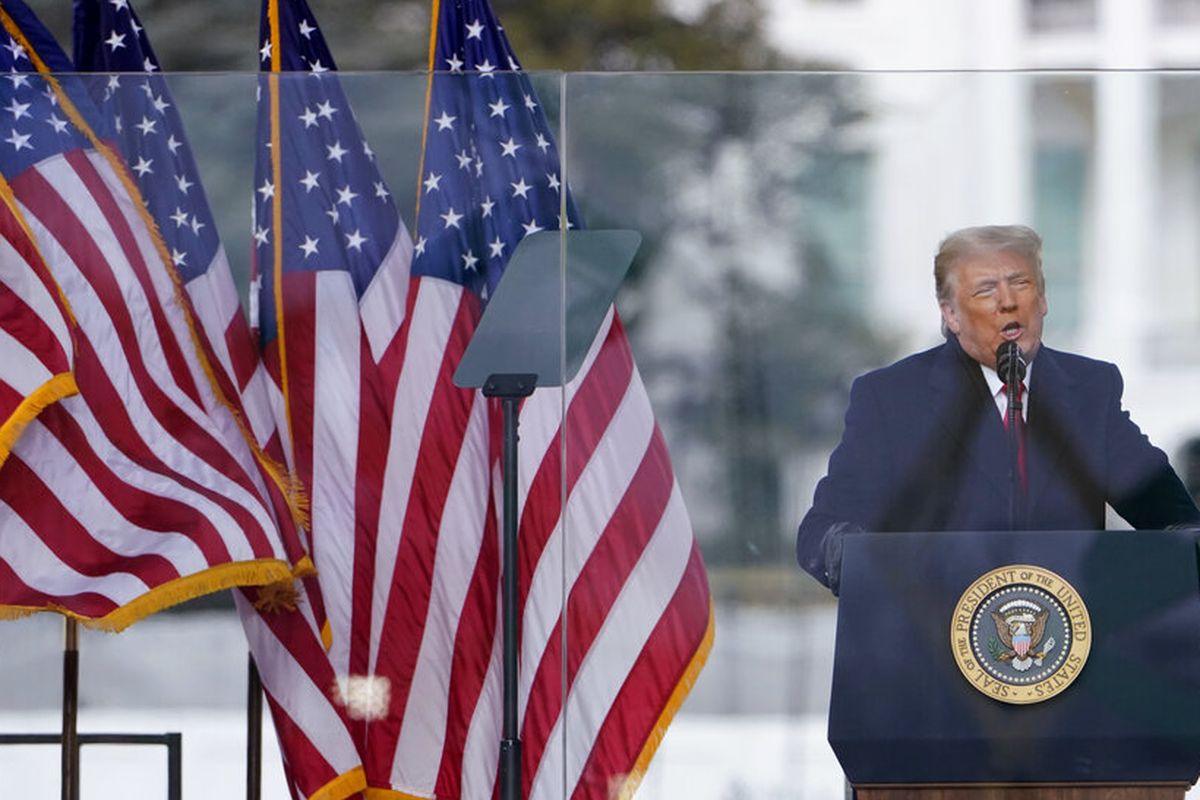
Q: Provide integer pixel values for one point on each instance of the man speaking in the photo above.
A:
(940, 441)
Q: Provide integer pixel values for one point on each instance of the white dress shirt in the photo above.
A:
(1000, 397)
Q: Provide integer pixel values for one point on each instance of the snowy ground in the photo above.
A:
(703, 758)
(752, 729)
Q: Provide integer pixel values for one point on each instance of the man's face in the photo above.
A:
(994, 297)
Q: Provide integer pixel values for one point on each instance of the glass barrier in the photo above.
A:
(670, 644)
(789, 225)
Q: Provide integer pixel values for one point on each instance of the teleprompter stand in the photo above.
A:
(535, 332)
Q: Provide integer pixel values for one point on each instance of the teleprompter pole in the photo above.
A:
(70, 709)
(510, 389)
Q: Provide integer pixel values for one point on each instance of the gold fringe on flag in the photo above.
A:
(53, 390)
(188, 587)
(682, 689)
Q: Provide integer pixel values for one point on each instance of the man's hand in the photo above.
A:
(831, 546)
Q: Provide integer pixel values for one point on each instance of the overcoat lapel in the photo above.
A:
(968, 416)
(1052, 401)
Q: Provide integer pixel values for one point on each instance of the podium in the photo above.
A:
(926, 644)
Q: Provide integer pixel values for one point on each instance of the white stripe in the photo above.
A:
(595, 498)
(433, 317)
(23, 370)
(46, 457)
(336, 382)
(307, 704)
(215, 301)
(383, 303)
(279, 413)
(40, 568)
(26, 284)
(541, 418)
(256, 402)
(419, 750)
(626, 629)
(481, 751)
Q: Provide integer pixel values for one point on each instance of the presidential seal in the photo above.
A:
(1020, 634)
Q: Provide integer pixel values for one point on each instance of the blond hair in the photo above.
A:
(1021, 240)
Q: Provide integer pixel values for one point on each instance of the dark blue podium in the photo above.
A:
(906, 721)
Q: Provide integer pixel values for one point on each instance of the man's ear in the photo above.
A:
(949, 318)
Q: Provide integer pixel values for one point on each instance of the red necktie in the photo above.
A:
(1019, 421)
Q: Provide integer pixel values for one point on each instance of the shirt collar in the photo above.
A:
(995, 384)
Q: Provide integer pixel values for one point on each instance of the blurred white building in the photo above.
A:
(1075, 116)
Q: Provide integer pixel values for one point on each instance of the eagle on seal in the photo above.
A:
(1021, 633)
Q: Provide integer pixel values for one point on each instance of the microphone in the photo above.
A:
(1010, 363)
(1010, 366)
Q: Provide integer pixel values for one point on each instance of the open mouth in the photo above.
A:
(1011, 331)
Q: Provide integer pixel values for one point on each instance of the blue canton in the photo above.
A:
(33, 125)
(491, 173)
(337, 211)
(148, 129)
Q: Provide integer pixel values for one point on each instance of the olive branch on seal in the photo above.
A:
(997, 652)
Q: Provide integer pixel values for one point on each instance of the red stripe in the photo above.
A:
(230, 392)
(15, 592)
(592, 594)
(391, 362)
(408, 602)
(588, 416)
(107, 204)
(45, 203)
(71, 541)
(373, 441)
(37, 336)
(649, 685)
(243, 353)
(303, 763)
(10, 398)
(300, 324)
(300, 310)
(469, 662)
(22, 323)
(616, 553)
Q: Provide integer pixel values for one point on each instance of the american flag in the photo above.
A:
(282, 624)
(150, 136)
(331, 266)
(636, 609)
(418, 579)
(140, 491)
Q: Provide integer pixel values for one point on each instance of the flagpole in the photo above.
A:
(253, 731)
(70, 709)
(510, 389)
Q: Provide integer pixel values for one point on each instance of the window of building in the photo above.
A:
(1057, 15)
(1063, 152)
(836, 225)
(1179, 12)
